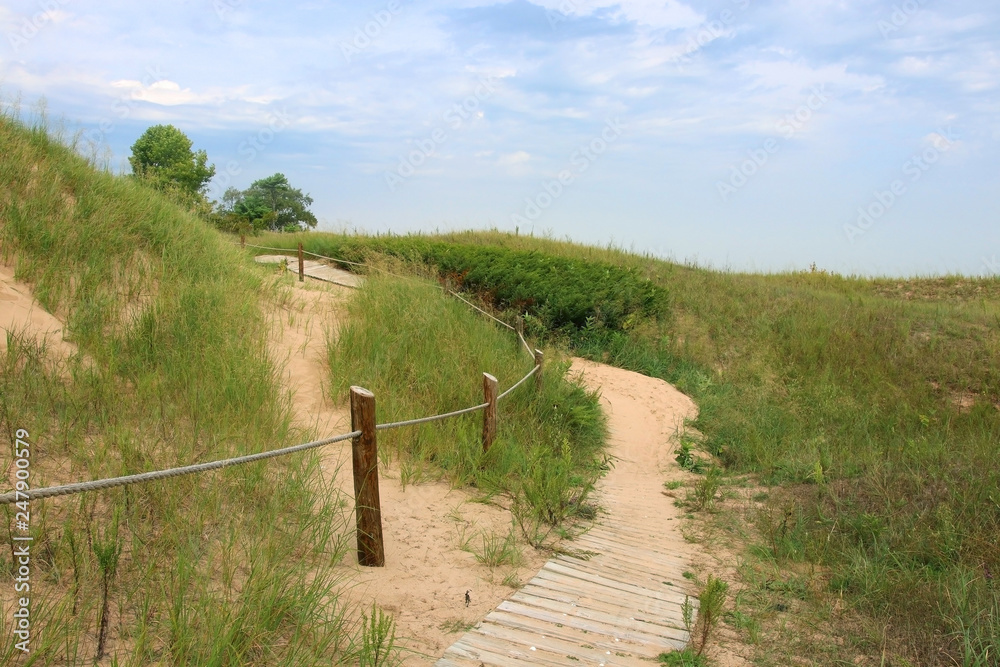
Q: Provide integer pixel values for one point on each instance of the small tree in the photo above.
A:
(289, 205)
(163, 155)
(268, 204)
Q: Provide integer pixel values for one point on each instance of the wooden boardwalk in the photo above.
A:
(620, 601)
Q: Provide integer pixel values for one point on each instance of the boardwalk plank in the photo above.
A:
(563, 632)
(608, 630)
(589, 612)
(613, 602)
(633, 569)
(612, 656)
(560, 569)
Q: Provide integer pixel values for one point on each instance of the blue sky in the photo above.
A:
(862, 135)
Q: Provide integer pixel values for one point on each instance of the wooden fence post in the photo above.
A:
(302, 269)
(371, 551)
(490, 413)
(243, 241)
(539, 357)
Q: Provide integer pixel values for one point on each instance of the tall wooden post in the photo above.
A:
(371, 551)
(302, 266)
(243, 241)
(490, 413)
(539, 357)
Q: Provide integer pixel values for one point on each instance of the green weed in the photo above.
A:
(686, 658)
(705, 490)
(378, 647)
(687, 460)
(498, 549)
(711, 601)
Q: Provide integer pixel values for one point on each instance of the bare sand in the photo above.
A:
(21, 314)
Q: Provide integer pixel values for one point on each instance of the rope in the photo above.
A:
(424, 420)
(482, 311)
(81, 487)
(519, 382)
(526, 346)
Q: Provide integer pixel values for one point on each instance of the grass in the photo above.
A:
(229, 567)
(422, 353)
(498, 549)
(871, 406)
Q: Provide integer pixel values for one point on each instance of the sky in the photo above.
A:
(862, 136)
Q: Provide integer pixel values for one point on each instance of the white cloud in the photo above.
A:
(669, 14)
(169, 93)
(797, 76)
(510, 159)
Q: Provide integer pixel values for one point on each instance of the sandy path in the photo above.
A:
(645, 416)
(426, 575)
(620, 605)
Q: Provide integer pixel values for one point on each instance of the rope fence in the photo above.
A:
(81, 487)
(427, 420)
(497, 320)
(364, 443)
(519, 382)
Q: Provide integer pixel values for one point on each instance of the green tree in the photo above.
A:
(163, 155)
(289, 205)
(242, 214)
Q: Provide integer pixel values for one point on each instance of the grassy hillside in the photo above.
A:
(873, 403)
(230, 567)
